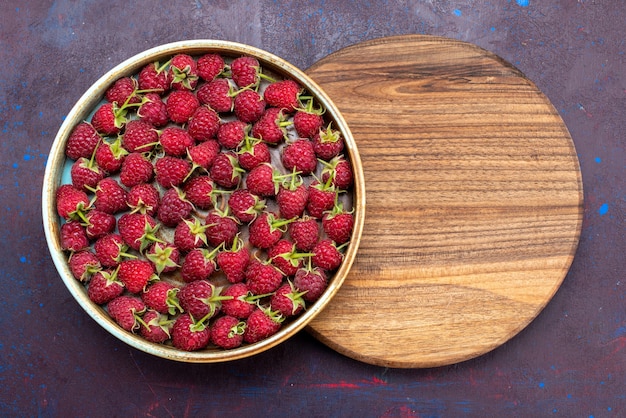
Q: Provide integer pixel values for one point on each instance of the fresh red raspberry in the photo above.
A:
(283, 94)
(110, 155)
(82, 141)
(153, 110)
(210, 66)
(181, 105)
(136, 169)
(123, 91)
(231, 134)
(154, 76)
(248, 106)
(139, 136)
(204, 124)
(299, 156)
(183, 72)
(217, 94)
(245, 71)
(175, 141)
(143, 198)
(204, 153)
(174, 207)
(171, 171)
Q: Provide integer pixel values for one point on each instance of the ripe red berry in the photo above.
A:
(154, 76)
(221, 228)
(204, 153)
(308, 121)
(242, 302)
(327, 256)
(338, 224)
(199, 191)
(86, 174)
(175, 141)
(292, 198)
(190, 234)
(266, 230)
(283, 94)
(73, 236)
(234, 261)
(283, 255)
(104, 286)
(321, 198)
(210, 66)
(83, 265)
(262, 277)
(82, 141)
(261, 181)
(171, 171)
(217, 94)
(328, 143)
(339, 172)
(225, 170)
(299, 156)
(155, 327)
(174, 207)
(231, 134)
(138, 230)
(111, 250)
(136, 169)
(139, 136)
(110, 155)
(123, 91)
(199, 264)
(245, 71)
(71, 202)
(136, 274)
(227, 332)
(271, 126)
(288, 300)
(98, 224)
(248, 106)
(244, 205)
(311, 282)
(201, 299)
(305, 233)
(109, 118)
(253, 153)
(143, 198)
(125, 310)
(183, 72)
(153, 110)
(181, 105)
(164, 256)
(261, 324)
(189, 334)
(162, 296)
(204, 124)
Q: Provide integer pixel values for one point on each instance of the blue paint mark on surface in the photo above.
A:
(523, 3)
(542, 385)
(23, 259)
(15, 165)
(598, 160)
(27, 157)
(493, 29)
(457, 12)
(603, 209)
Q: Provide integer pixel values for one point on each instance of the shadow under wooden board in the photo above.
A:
(474, 201)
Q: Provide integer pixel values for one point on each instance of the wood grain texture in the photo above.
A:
(474, 201)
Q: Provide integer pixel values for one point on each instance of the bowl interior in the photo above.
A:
(57, 173)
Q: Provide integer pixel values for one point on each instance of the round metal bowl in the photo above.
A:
(56, 174)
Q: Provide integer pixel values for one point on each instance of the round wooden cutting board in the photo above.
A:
(474, 201)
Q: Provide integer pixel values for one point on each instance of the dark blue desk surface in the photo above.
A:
(56, 361)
